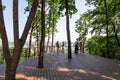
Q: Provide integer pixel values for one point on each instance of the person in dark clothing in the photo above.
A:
(76, 47)
(81, 48)
(62, 47)
(57, 45)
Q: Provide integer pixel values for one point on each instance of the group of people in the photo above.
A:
(77, 47)
(58, 47)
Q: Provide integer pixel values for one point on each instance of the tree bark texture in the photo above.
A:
(13, 60)
(42, 41)
(68, 30)
(107, 23)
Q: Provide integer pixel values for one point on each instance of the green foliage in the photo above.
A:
(72, 7)
(1, 57)
(97, 15)
(23, 54)
(82, 26)
(27, 9)
(96, 46)
(94, 21)
(51, 17)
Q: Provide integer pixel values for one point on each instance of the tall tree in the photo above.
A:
(30, 41)
(69, 5)
(107, 23)
(42, 41)
(53, 18)
(102, 19)
(82, 27)
(48, 31)
(12, 60)
(68, 30)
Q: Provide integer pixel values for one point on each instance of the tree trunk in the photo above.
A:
(6, 52)
(38, 46)
(42, 41)
(48, 43)
(84, 44)
(12, 60)
(52, 37)
(30, 41)
(48, 31)
(68, 30)
(11, 69)
(53, 27)
(107, 37)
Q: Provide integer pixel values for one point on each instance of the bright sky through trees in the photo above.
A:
(61, 26)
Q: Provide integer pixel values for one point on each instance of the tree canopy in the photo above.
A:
(103, 20)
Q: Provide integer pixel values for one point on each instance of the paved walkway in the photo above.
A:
(58, 67)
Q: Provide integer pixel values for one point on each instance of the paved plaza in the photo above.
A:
(59, 67)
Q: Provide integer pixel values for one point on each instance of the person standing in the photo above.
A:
(57, 45)
(81, 49)
(63, 47)
(76, 47)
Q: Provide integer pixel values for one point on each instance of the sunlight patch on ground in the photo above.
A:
(107, 77)
(63, 69)
(86, 71)
(24, 77)
(82, 71)
(20, 76)
(115, 73)
(66, 70)
(94, 73)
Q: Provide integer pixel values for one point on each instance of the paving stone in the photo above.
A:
(58, 67)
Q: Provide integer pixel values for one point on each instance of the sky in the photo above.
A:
(61, 25)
